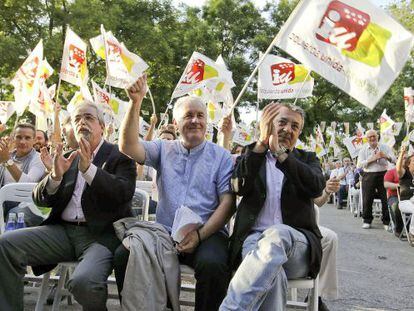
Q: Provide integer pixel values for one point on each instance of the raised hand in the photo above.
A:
(226, 126)
(154, 119)
(85, 154)
(266, 121)
(46, 158)
(4, 150)
(136, 92)
(60, 163)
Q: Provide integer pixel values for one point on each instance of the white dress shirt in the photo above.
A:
(380, 165)
(73, 211)
(271, 213)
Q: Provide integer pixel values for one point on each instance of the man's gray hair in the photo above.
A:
(295, 109)
(187, 99)
(86, 104)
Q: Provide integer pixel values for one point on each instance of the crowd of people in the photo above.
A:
(271, 189)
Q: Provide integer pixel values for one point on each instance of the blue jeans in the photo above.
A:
(270, 258)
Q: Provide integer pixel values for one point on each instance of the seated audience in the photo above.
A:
(87, 189)
(405, 174)
(276, 215)
(193, 173)
(391, 183)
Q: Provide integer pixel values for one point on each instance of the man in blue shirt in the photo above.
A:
(191, 172)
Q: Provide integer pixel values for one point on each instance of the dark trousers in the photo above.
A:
(342, 195)
(395, 214)
(209, 262)
(48, 245)
(373, 186)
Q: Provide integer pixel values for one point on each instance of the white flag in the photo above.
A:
(26, 79)
(409, 104)
(6, 110)
(386, 123)
(74, 67)
(282, 78)
(351, 43)
(198, 71)
(123, 67)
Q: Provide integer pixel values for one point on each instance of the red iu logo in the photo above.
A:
(282, 73)
(194, 73)
(342, 25)
(76, 56)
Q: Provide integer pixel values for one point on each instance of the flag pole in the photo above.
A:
(163, 116)
(301, 87)
(152, 100)
(261, 59)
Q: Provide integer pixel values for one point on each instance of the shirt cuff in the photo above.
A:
(90, 173)
(52, 185)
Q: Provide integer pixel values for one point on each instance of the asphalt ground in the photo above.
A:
(375, 269)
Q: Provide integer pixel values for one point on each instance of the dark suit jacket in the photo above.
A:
(303, 180)
(105, 201)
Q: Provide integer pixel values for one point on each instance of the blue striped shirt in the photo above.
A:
(194, 178)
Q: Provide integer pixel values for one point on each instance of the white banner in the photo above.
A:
(351, 43)
(74, 68)
(282, 78)
(6, 110)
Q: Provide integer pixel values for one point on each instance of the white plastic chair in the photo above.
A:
(140, 203)
(406, 219)
(144, 185)
(17, 192)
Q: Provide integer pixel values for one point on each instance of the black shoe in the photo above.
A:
(321, 305)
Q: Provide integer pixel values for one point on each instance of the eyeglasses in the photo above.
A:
(86, 116)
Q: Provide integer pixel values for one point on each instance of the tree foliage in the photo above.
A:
(165, 36)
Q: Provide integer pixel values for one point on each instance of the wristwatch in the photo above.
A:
(281, 151)
(8, 163)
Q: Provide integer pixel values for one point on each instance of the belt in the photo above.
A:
(75, 223)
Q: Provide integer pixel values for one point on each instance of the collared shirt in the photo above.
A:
(380, 165)
(194, 178)
(73, 211)
(271, 213)
(338, 172)
(36, 171)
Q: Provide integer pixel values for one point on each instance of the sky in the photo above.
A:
(248, 114)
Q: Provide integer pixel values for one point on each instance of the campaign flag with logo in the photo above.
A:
(282, 78)
(409, 104)
(396, 129)
(386, 123)
(242, 135)
(351, 43)
(26, 79)
(198, 71)
(74, 68)
(123, 67)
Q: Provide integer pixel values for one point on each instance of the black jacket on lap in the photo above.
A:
(303, 180)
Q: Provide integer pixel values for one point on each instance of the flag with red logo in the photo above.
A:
(282, 78)
(74, 67)
(199, 70)
(42, 100)
(26, 79)
(386, 123)
(123, 67)
(351, 43)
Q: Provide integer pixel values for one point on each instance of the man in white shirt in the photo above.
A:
(23, 164)
(87, 190)
(373, 158)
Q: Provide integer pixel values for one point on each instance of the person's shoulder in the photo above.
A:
(218, 150)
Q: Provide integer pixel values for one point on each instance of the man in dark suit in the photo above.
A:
(275, 235)
(88, 190)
